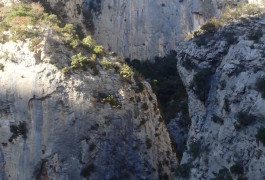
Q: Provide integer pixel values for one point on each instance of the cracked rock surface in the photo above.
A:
(221, 77)
(70, 133)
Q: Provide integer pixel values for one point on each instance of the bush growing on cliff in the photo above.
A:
(260, 86)
(260, 136)
(98, 49)
(245, 118)
(114, 102)
(126, 72)
(201, 84)
(211, 26)
(237, 168)
(183, 170)
(17, 130)
(2, 67)
(223, 174)
(88, 42)
(217, 119)
(87, 170)
(229, 15)
(255, 35)
(195, 149)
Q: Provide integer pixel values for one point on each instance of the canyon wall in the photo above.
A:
(140, 29)
(56, 126)
(223, 73)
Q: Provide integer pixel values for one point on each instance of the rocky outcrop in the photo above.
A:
(140, 29)
(55, 126)
(223, 73)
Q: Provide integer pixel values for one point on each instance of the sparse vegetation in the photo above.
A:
(222, 85)
(126, 72)
(217, 119)
(245, 118)
(17, 19)
(237, 168)
(2, 67)
(201, 84)
(260, 86)
(230, 37)
(17, 130)
(211, 26)
(228, 16)
(255, 35)
(195, 149)
(223, 174)
(112, 100)
(98, 49)
(260, 136)
(226, 105)
(148, 143)
(89, 42)
(183, 170)
(34, 42)
(145, 106)
(87, 170)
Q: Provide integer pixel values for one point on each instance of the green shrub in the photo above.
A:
(69, 35)
(140, 86)
(201, 41)
(34, 42)
(2, 67)
(88, 42)
(148, 143)
(230, 37)
(112, 100)
(237, 169)
(223, 174)
(145, 106)
(98, 49)
(183, 170)
(260, 136)
(222, 85)
(92, 146)
(211, 26)
(108, 64)
(66, 70)
(260, 86)
(78, 61)
(87, 170)
(255, 35)
(245, 119)
(201, 84)
(17, 130)
(143, 121)
(226, 105)
(217, 119)
(195, 149)
(126, 72)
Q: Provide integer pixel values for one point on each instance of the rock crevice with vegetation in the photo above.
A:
(223, 72)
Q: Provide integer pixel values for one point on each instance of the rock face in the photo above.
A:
(70, 133)
(140, 29)
(222, 73)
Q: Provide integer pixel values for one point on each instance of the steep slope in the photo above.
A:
(224, 73)
(66, 115)
(140, 29)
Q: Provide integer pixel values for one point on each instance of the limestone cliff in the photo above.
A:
(88, 124)
(140, 29)
(224, 76)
